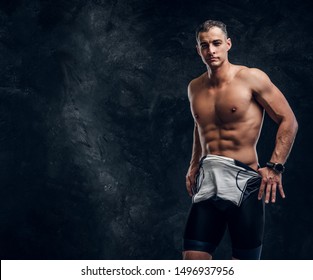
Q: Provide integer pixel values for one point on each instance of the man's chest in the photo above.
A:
(222, 105)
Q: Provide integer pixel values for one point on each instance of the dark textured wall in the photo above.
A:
(95, 128)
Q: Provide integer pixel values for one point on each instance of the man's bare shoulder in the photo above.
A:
(196, 84)
(197, 81)
(255, 78)
(247, 73)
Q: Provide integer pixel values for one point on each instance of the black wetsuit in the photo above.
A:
(209, 218)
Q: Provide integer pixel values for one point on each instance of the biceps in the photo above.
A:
(274, 103)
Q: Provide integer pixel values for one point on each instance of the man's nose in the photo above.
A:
(211, 49)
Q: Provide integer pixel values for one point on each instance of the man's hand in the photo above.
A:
(271, 181)
(191, 178)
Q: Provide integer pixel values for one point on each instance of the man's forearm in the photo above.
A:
(284, 140)
(196, 148)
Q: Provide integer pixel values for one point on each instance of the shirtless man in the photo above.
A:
(227, 185)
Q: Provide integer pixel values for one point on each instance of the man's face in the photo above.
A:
(213, 47)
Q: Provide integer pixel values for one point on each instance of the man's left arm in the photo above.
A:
(276, 105)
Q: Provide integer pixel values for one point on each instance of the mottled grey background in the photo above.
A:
(95, 128)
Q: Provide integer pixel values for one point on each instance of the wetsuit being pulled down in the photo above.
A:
(225, 194)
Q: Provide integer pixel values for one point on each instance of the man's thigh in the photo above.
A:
(205, 227)
(246, 224)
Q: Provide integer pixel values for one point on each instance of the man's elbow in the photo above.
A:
(290, 123)
(293, 124)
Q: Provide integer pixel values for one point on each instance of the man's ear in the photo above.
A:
(229, 44)
(198, 49)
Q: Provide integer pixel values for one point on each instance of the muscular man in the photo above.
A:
(227, 186)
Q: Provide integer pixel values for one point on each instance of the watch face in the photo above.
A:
(279, 167)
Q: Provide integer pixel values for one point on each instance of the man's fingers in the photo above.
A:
(268, 191)
(270, 188)
(281, 190)
(274, 187)
(269, 185)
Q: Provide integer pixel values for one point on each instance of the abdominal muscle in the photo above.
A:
(237, 144)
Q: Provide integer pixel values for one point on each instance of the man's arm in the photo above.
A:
(276, 105)
(194, 162)
(196, 150)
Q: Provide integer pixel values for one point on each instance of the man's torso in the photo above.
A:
(227, 116)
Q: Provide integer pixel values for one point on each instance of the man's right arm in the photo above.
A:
(194, 162)
(196, 146)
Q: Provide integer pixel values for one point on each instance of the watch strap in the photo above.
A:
(270, 164)
(277, 167)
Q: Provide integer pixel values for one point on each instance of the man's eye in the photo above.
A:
(204, 46)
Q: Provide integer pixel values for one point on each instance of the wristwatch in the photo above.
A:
(277, 167)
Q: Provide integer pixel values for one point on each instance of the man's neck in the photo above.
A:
(219, 75)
